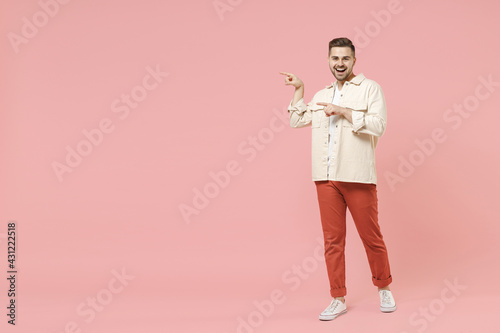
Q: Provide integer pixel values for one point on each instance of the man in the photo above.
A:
(347, 119)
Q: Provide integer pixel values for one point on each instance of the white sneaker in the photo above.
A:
(387, 303)
(336, 308)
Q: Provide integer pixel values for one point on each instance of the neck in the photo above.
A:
(341, 83)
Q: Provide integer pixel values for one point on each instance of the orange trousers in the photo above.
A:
(361, 199)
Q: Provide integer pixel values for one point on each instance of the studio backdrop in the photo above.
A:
(151, 181)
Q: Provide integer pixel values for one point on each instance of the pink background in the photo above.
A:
(120, 207)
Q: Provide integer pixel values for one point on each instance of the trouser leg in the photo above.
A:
(362, 201)
(332, 208)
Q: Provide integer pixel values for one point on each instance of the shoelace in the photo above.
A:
(385, 297)
(333, 305)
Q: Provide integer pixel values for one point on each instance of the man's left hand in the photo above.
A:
(332, 109)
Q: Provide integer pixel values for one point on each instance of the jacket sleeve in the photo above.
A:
(372, 121)
(301, 113)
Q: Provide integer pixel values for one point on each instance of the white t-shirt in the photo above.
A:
(333, 119)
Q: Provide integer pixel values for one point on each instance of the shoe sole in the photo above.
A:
(386, 310)
(325, 318)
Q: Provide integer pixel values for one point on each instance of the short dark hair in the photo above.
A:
(341, 42)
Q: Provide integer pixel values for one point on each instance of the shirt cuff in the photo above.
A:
(358, 120)
(300, 106)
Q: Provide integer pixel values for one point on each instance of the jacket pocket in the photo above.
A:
(356, 105)
(317, 114)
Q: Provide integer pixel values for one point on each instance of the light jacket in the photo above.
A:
(354, 146)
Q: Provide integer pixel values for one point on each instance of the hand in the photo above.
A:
(332, 109)
(292, 80)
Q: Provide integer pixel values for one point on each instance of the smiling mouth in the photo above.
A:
(341, 70)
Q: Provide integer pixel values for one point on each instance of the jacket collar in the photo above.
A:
(356, 80)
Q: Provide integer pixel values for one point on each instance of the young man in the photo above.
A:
(347, 119)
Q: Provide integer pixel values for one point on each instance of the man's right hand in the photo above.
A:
(293, 80)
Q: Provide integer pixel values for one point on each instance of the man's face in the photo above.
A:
(341, 63)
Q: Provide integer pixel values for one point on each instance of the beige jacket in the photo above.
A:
(353, 151)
